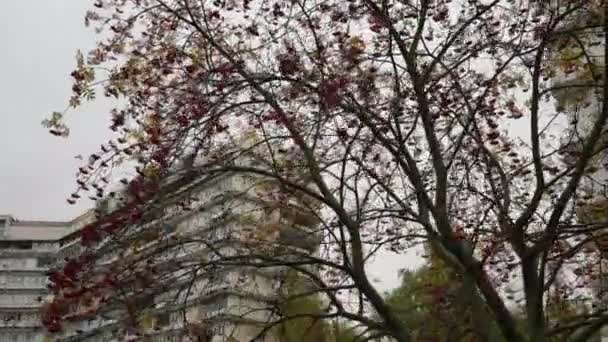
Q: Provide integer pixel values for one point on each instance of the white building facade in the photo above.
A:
(27, 249)
(578, 81)
(229, 215)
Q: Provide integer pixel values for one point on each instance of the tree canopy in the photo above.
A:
(395, 123)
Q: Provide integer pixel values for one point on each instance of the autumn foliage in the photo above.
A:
(435, 122)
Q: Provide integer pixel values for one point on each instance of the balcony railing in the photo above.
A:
(19, 320)
(8, 300)
(20, 336)
(18, 281)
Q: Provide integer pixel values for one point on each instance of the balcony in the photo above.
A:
(17, 281)
(299, 237)
(31, 300)
(285, 224)
(19, 320)
(20, 336)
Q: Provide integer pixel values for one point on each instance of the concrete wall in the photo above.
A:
(27, 249)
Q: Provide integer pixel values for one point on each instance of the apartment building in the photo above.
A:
(27, 250)
(192, 299)
(578, 82)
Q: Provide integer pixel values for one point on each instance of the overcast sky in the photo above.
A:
(38, 40)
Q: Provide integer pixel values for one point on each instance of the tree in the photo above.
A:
(389, 117)
(309, 328)
(434, 304)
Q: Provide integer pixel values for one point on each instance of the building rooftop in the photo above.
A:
(12, 228)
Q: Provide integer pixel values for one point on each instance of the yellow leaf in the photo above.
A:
(250, 138)
(151, 171)
(146, 321)
(135, 135)
(357, 44)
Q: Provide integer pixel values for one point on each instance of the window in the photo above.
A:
(169, 228)
(145, 302)
(44, 261)
(217, 330)
(163, 319)
(23, 245)
(16, 245)
(217, 305)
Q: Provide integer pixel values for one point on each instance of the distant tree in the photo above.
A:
(310, 327)
(434, 302)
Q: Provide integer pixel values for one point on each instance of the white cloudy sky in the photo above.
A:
(38, 41)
